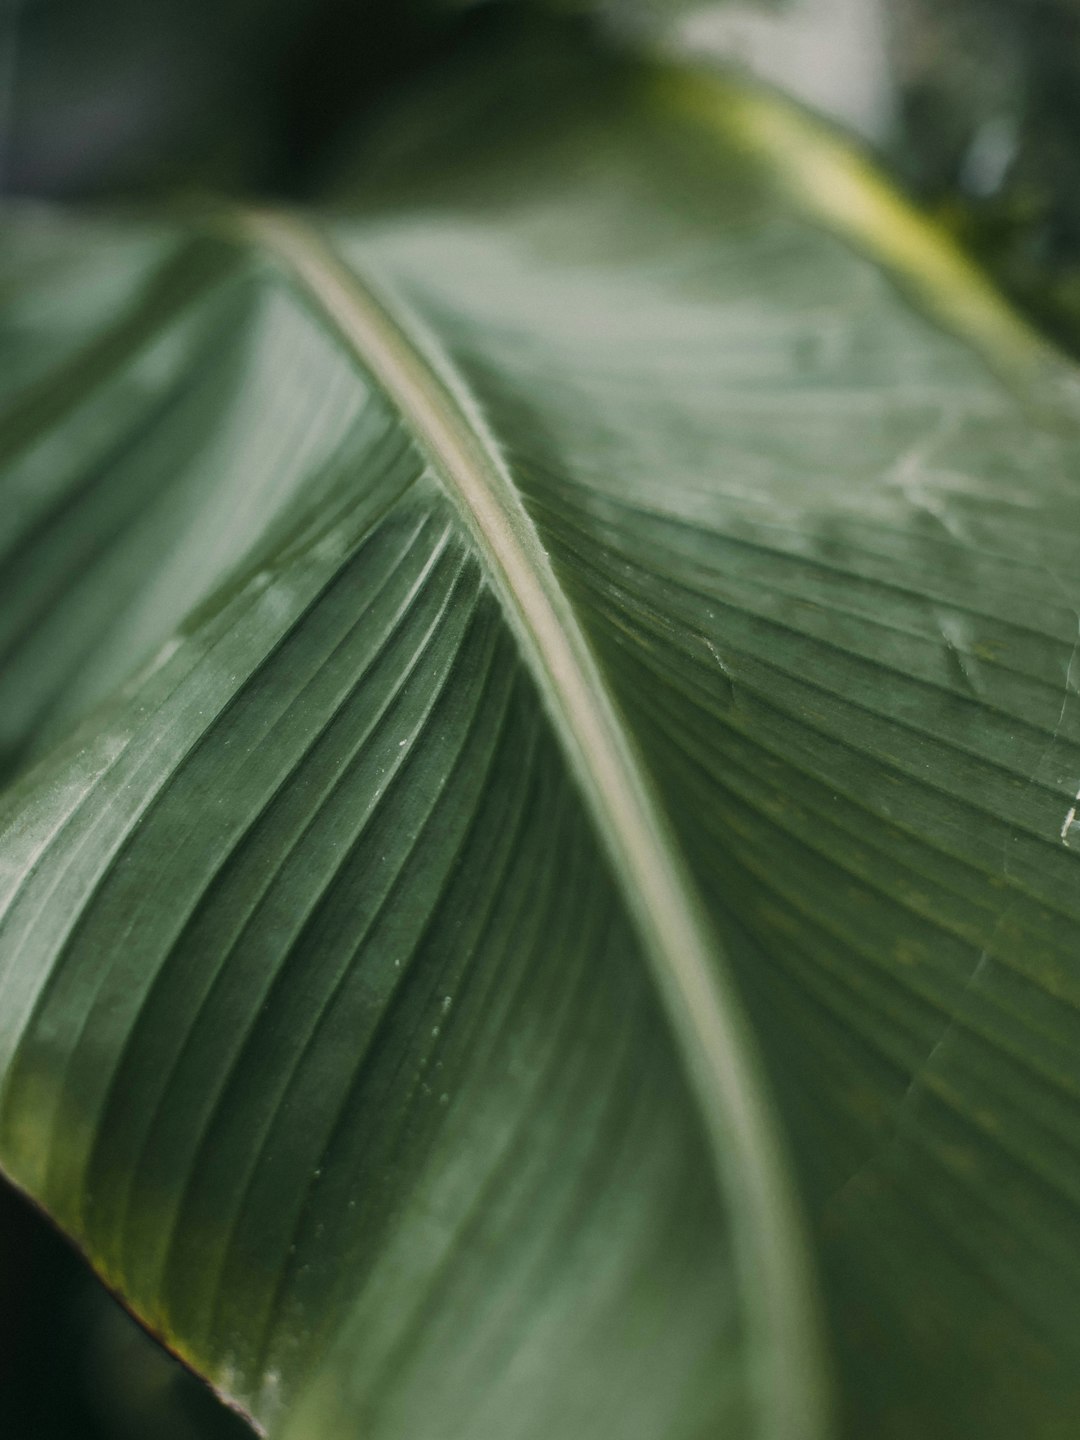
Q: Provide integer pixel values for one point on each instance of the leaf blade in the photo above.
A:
(688, 969)
(820, 554)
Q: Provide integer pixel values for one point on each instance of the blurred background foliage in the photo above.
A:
(973, 104)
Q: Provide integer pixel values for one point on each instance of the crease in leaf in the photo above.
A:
(796, 568)
(699, 997)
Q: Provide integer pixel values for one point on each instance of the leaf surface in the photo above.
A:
(472, 662)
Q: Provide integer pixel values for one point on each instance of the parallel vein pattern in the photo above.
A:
(689, 969)
(345, 1046)
(328, 1016)
(832, 587)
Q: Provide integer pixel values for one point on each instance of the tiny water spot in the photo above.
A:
(1070, 820)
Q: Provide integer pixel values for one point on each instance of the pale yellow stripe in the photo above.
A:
(838, 186)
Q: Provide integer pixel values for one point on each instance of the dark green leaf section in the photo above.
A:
(110, 473)
(343, 1030)
(834, 589)
(58, 298)
(326, 1028)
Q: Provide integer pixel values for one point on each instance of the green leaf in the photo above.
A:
(545, 707)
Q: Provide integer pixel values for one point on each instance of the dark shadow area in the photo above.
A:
(73, 1364)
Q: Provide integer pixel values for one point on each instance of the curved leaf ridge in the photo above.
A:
(396, 351)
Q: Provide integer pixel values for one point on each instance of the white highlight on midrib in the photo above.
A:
(393, 348)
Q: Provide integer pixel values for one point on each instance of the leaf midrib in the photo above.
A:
(689, 968)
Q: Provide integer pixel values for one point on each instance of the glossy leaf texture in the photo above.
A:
(544, 707)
